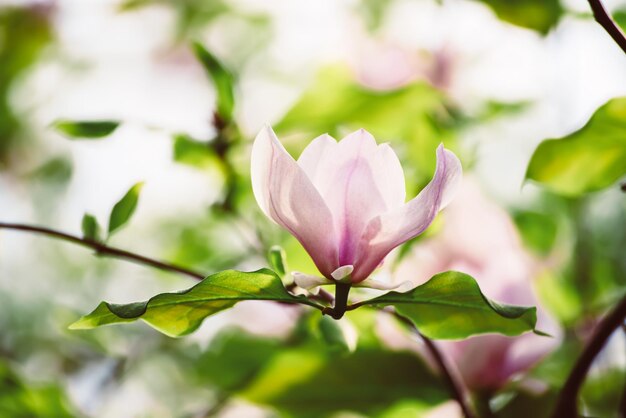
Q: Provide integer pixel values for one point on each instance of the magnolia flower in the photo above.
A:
(345, 201)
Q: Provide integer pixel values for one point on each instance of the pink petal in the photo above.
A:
(357, 179)
(316, 155)
(285, 193)
(385, 232)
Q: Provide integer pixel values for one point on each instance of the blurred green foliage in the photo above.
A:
(21, 400)
(416, 118)
(24, 33)
(222, 80)
(303, 377)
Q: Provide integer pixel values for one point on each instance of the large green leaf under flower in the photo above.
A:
(178, 314)
(448, 306)
(451, 306)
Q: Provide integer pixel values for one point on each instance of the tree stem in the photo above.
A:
(455, 387)
(607, 22)
(342, 290)
(567, 402)
(102, 249)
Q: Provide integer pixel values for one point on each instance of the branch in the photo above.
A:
(607, 22)
(102, 249)
(566, 404)
(456, 389)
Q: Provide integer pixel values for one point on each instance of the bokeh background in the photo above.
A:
(490, 79)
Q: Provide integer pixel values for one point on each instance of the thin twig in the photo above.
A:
(453, 384)
(607, 22)
(566, 405)
(102, 249)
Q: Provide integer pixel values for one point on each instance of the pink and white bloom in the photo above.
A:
(345, 201)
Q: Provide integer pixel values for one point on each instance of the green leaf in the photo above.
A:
(587, 160)
(90, 227)
(86, 129)
(222, 79)
(278, 260)
(194, 153)
(178, 314)
(124, 209)
(538, 230)
(539, 15)
(451, 306)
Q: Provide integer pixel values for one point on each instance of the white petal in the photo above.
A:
(376, 284)
(389, 176)
(285, 193)
(343, 273)
(308, 282)
(315, 155)
(391, 229)
(346, 179)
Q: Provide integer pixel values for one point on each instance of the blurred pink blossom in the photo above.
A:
(382, 65)
(345, 201)
(479, 238)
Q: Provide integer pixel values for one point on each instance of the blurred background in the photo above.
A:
(491, 79)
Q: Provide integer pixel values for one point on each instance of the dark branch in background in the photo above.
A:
(607, 22)
(567, 403)
(102, 249)
(454, 386)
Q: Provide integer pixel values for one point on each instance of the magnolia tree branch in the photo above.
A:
(102, 249)
(567, 402)
(455, 387)
(607, 22)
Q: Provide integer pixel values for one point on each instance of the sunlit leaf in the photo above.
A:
(90, 227)
(539, 15)
(222, 79)
(124, 208)
(178, 314)
(587, 160)
(86, 129)
(451, 306)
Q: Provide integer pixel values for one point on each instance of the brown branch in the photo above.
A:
(102, 249)
(607, 22)
(455, 387)
(567, 402)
